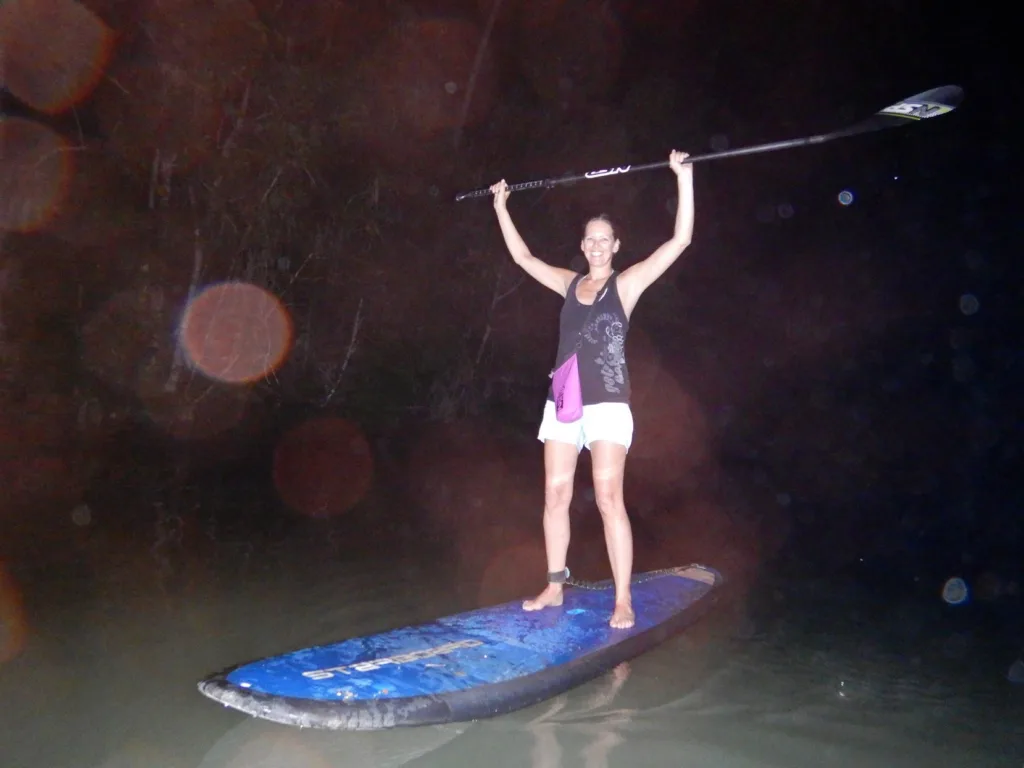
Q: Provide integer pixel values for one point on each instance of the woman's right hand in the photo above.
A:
(501, 193)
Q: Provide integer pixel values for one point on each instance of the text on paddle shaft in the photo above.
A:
(607, 172)
(404, 658)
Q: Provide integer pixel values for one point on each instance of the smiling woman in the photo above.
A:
(588, 402)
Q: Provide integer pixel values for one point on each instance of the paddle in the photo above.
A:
(921, 106)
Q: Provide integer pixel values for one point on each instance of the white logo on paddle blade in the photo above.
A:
(917, 110)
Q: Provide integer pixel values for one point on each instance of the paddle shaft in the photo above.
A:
(571, 178)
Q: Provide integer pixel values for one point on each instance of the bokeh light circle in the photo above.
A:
(36, 172)
(1016, 672)
(845, 197)
(236, 332)
(969, 304)
(323, 467)
(955, 591)
(81, 515)
(53, 52)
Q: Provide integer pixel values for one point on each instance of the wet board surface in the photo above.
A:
(471, 665)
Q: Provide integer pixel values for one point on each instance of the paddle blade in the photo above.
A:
(937, 101)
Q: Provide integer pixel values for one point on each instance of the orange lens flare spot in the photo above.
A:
(36, 172)
(323, 467)
(52, 52)
(236, 332)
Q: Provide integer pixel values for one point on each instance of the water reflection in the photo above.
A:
(257, 744)
(603, 734)
(826, 679)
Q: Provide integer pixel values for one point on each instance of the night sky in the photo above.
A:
(233, 280)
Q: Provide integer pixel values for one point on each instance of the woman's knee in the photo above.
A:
(609, 498)
(557, 495)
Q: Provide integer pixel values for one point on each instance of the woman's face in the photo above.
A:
(599, 243)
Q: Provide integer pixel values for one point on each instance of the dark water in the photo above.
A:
(788, 672)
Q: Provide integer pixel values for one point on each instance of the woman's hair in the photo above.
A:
(607, 220)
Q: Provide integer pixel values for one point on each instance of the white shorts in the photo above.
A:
(602, 421)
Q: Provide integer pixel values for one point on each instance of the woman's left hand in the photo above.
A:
(675, 162)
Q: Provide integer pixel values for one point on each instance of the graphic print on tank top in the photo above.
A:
(607, 333)
(598, 335)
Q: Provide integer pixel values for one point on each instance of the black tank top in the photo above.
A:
(604, 377)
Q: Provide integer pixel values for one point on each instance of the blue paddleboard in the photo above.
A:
(468, 666)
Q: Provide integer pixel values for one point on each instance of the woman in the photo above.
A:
(595, 320)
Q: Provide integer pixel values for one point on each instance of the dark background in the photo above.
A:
(816, 392)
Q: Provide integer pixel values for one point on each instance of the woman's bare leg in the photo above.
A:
(559, 470)
(609, 462)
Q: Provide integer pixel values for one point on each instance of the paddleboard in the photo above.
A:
(469, 666)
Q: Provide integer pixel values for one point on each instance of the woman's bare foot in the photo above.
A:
(552, 595)
(623, 616)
